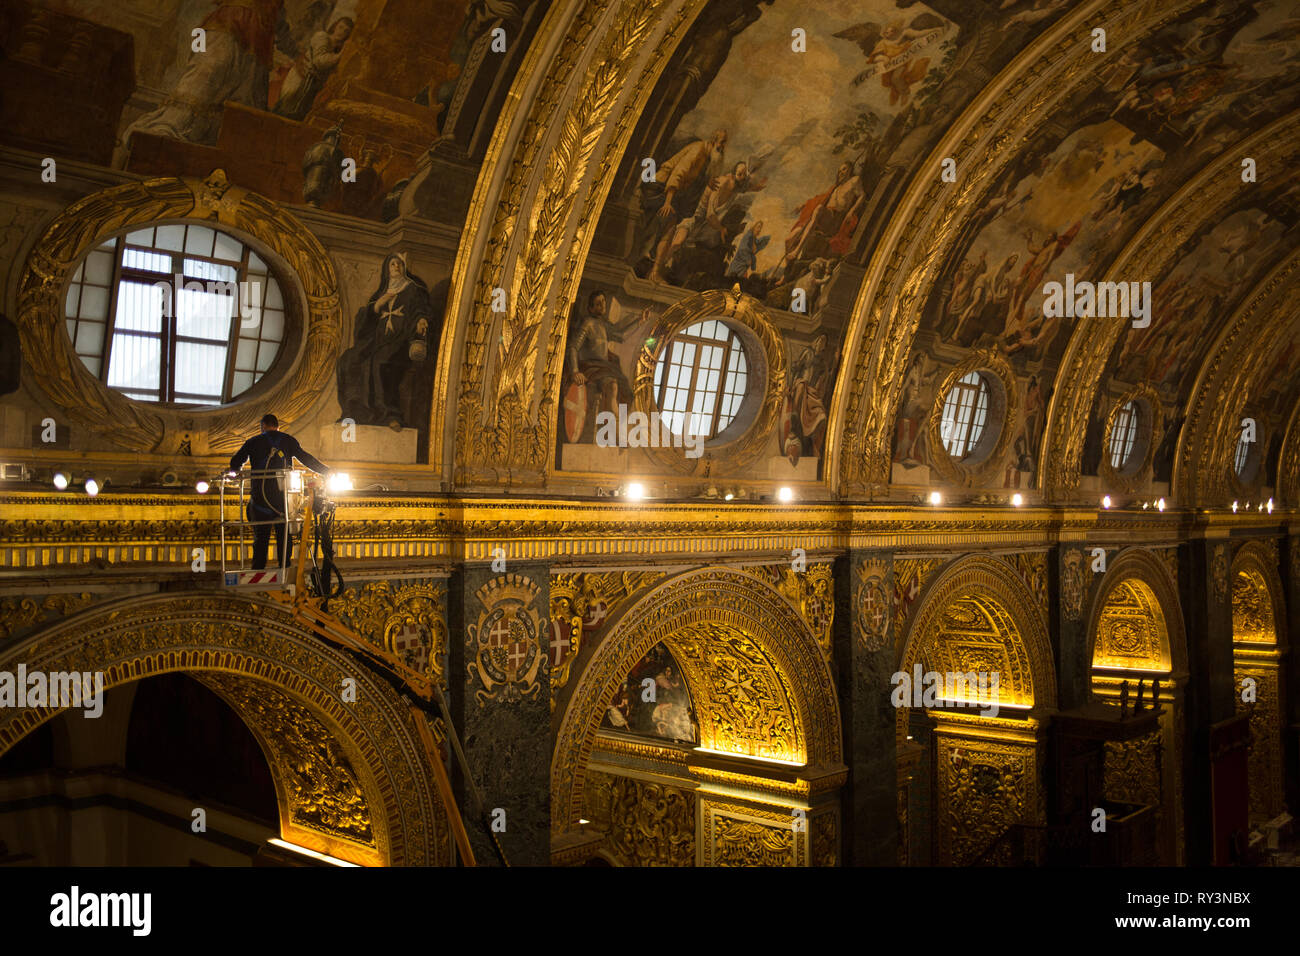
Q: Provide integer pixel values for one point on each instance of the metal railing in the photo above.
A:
(238, 491)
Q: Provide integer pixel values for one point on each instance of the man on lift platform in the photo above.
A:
(272, 450)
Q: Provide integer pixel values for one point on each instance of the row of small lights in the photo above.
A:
(339, 481)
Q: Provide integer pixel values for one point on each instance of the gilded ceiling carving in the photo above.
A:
(315, 779)
(756, 675)
(1136, 620)
(979, 615)
(134, 425)
(204, 633)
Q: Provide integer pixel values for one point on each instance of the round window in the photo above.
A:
(177, 313)
(700, 379)
(965, 415)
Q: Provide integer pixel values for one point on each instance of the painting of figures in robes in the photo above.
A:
(653, 701)
(386, 376)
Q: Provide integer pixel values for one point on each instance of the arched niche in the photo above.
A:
(761, 689)
(351, 779)
(1136, 637)
(977, 616)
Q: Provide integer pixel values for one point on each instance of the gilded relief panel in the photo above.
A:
(749, 835)
(645, 823)
(984, 789)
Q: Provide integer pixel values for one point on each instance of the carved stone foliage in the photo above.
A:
(873, 604)
(315, 777)
(1133, 770)
(1252, 612)
(20, 613)
(646, 823)
(509, 655)
(911, 575)
(206, 633)
(810, 591)
(751, 836)
(140, 427)
(408, 618)
(1169, 557)
(581, 603)
(1032, 567)
(1219, 571)
(984, 789)
(1264, 757)
(537, 240)
(757, 677)
(1074, 583)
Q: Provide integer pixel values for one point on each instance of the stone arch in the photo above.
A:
(1258, 605)
(351, 778)
(1141, 581)
(985, 595)
(720, 624)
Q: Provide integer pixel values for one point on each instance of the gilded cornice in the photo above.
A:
(1151, 253)
(154, 533)
(560, 171)
(924, 225)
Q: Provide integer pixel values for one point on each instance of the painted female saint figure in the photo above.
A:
(392, 339)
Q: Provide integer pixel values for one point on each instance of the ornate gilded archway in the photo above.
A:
(978, 616)
(1258, 646)
(764, 701)
(350, 776)
(1136, 635)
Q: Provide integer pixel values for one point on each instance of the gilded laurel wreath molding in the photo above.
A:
(1132, 479)
(763, 669)
(1153, 251)
(770, 369)
(983, 596)
(256, 643)
(925, 223)
(1151, 574)
(304, 267)
(1258, 561)
(972, 474)
(560, 174)
(1227, 383)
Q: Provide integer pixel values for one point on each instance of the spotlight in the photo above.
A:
(1017, 500)
(728, 496)
(1105, 502)
(1261, 507)
(1160, 504)
(1146, 505)
(339, 481)
(1234, 507)
(785, 494)
(201, 487)
(295, 482)
(60, 480)
(92, 487)
(936, 498)
(635, 491)
(1270, 505)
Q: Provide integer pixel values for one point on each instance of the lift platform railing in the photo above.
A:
(305, 592)
(239, 490)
